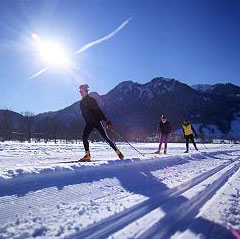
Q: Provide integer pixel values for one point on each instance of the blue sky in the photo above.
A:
(194, 41)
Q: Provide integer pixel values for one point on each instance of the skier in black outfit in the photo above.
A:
(94, 117)
(188, 131)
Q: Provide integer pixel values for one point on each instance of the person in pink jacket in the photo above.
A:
(164, 130)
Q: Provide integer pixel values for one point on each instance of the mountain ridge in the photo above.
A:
(135, 108)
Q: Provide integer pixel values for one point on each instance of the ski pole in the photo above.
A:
(205, 146)
(120, 137)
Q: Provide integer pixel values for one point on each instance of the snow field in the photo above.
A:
(109, 198)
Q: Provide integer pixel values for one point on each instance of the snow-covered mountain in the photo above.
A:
(202, 87)
(135, 109)
(218, 89)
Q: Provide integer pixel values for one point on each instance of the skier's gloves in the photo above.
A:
(110, 126)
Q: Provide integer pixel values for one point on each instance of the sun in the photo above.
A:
(51, 52)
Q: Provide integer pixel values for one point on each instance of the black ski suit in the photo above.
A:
(93, 117)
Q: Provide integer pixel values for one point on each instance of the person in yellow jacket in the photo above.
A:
(188, 131)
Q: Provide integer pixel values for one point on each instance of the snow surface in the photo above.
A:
(195, 195)
(203, 87)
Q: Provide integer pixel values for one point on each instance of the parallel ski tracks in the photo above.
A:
(69, 160)
(165, 226)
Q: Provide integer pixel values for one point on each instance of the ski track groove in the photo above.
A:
(183, 216)
(69, 160)
(112, 224)
(10, 186)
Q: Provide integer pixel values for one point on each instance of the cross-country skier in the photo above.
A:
(188, 131)
(164, 130)
(94, 117)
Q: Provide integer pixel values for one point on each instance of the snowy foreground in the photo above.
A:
(185, 196)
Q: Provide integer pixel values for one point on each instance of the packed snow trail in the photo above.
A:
(185, 213)
(108, 226)
(110, 198)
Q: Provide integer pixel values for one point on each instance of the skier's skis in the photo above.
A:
(75, 161)
(152, 153)
(155, 153)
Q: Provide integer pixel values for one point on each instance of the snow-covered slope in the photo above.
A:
(176, 195)
(227, 89)
(202, 87)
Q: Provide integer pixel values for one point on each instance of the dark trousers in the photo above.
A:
(163, 138)
(190, 136)
(99, 127)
